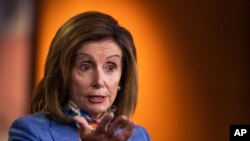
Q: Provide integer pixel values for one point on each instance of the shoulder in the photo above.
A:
(140, 134)
(28, 127)
(36, 120)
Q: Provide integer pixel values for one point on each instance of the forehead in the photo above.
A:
(104, 47)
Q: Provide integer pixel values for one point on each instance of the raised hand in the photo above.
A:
(119, 130)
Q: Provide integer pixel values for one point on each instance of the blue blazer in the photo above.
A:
(38, 127)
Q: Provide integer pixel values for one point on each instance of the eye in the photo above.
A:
(111, 67)
(85, 67)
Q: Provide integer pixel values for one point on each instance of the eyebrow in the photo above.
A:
(90, 56)
(115, 55)
(86, 54)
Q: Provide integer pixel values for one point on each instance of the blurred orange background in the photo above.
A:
(193, 60)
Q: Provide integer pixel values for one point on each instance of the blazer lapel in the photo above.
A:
(63, 132)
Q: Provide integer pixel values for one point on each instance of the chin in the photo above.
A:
(97, 110)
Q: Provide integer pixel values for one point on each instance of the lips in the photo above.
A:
(96, 99)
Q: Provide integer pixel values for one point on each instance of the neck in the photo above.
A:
(88, 115)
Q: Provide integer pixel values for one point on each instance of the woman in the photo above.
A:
(89, 88)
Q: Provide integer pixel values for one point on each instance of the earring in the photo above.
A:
(112, 109)
(118, 88)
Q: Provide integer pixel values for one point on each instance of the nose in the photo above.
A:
(98, 81)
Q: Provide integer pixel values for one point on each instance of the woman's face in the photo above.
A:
(95, 76)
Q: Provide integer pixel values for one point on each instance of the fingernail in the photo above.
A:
(77, 125)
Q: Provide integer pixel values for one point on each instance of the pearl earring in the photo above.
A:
(118, 88)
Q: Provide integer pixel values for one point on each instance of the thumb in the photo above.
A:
(82, 124)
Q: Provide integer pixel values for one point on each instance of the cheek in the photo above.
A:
(116, 78)
(113, 84)
(113, 81)
(113, 95)
(79, 83)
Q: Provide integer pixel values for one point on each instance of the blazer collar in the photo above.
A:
(63, 131)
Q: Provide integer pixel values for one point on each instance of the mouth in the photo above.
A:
(96, 99)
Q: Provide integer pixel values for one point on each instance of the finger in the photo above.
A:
(83, 125)
(120, 122)
(125, 133)
(104, 123)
